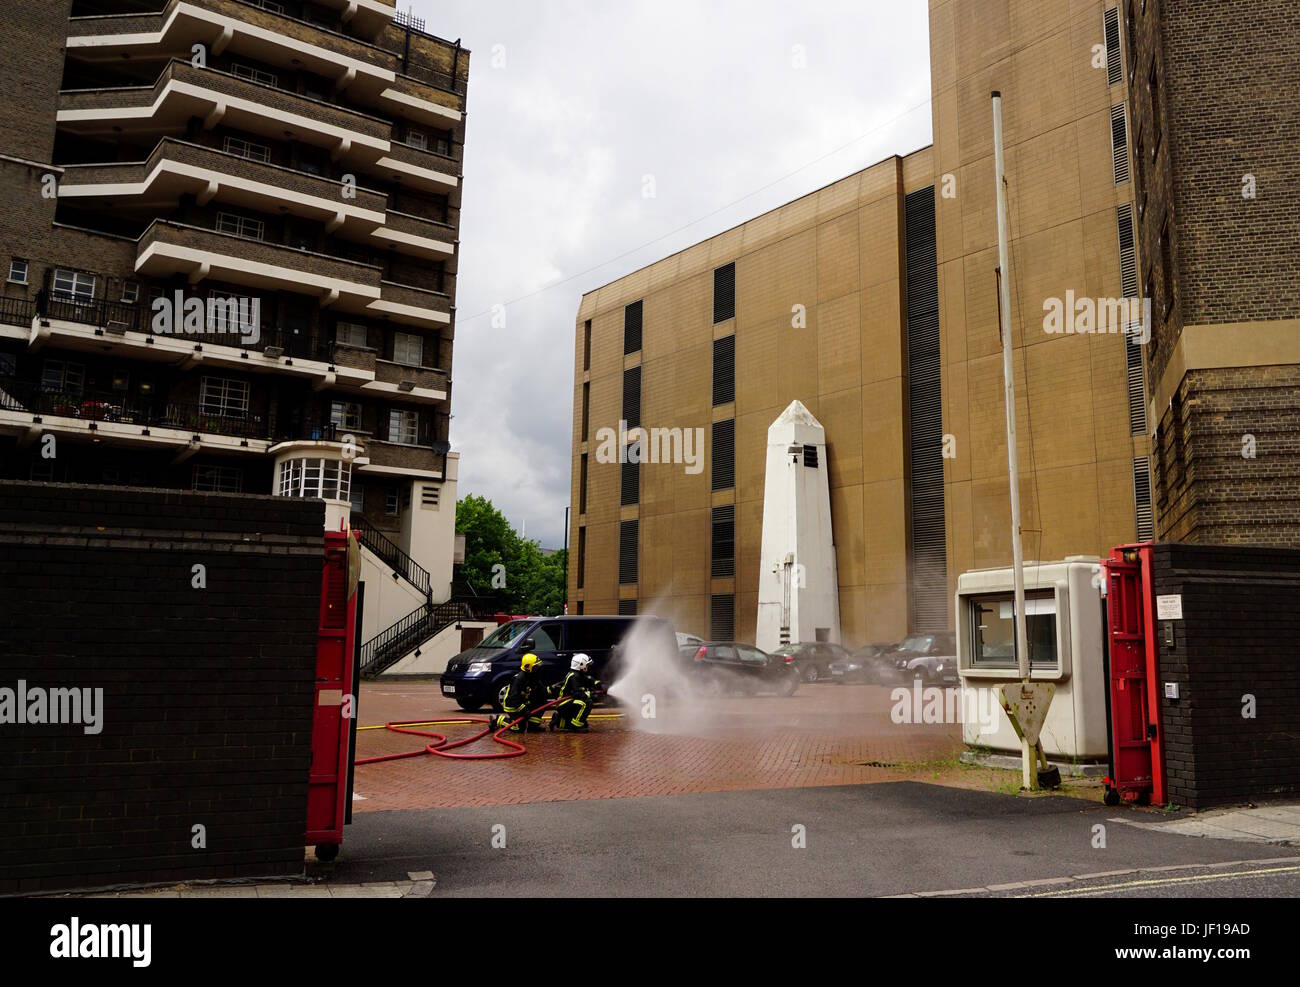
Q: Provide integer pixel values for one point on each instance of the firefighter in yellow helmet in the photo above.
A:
(525, 694)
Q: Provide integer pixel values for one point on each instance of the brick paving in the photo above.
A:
(824, 735)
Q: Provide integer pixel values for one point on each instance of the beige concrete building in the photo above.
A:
(874, 302)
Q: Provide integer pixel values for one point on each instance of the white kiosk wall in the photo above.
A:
(1063, 611)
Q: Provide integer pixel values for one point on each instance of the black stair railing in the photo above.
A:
(392, 556)
(403, 637)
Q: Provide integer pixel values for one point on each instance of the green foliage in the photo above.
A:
(533, 580)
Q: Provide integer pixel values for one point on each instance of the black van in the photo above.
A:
(480, 676)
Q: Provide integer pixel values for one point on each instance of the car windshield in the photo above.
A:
(506, 634)
(919, 642)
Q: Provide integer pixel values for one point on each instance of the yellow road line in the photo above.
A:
(1162, 882)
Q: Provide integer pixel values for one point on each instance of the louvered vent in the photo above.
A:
(1142, 499)
(810, 456)
(722, 617)
(1137, 405)
(1128, 268)
(724, 370)
(1119, 143)
(723, 543)
(627, 549)
(724, 293)
(724, 454)
(627, 608)
(632, 328)
(631, 476)
(1114, 58)
(925, 418)
(632, 397)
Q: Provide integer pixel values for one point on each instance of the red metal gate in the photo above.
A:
(331, 736)
(1136, 736)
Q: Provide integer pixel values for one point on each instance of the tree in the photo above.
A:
(500, 564)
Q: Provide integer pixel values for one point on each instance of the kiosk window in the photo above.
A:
(994, 630)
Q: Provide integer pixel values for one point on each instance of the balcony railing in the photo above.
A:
(114, 406)
(17, 311)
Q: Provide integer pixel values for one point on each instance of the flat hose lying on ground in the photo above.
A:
(443, 749)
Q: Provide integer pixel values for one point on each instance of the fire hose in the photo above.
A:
(444, 749)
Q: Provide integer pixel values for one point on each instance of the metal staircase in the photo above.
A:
(398, 561)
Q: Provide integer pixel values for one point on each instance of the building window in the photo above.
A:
(346, 415)
(240, 226)
(723, 543)
(231, 313)
(417, 138)
(586, 345)
(723, 462)
(1132, 42)
(73, 286)
(724, 370)
(632, 328)
(61, 377)
(130, 292)
(582, 556)
(1139, 158)
(223, 397)
(404, 427)
(9, 367)
(18, 272)
(392, 502)
(218, 479)
(350, 334)
(357, 498)
(255, 75)
(247, 149)
(1166, 268)
(632, 397)
(627, 551)
(1157, 129)
(724, 293)
(586, 410)
(408, 349)
(582, 484)
(327, 479)
(993, 630)
(722, 617)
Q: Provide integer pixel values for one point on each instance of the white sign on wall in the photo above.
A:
(1169, 607)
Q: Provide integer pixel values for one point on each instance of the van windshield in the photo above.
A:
(506, 634)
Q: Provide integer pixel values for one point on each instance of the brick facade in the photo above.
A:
(1236, 642)
(208, 693)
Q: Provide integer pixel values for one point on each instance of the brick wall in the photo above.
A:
(1239, 636)
(31, 66)
(1228, 457)
(207, 701)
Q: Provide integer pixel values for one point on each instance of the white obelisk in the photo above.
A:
(798, 592)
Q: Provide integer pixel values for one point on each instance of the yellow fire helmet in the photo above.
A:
(530, 661)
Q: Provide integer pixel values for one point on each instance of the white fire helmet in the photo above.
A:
(580, 663)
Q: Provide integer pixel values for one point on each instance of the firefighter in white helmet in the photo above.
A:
(576, 696)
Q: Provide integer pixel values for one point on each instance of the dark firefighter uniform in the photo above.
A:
(576, 696)
(525, 694)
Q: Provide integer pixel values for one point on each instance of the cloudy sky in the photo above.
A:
(733, 106)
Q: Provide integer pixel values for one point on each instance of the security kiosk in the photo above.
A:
(1066, 635)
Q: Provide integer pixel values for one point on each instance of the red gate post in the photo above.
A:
(335, 697)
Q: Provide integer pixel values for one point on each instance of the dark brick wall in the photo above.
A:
(207, 708)
(1227, 453)
(31, 66)
(1240, 635)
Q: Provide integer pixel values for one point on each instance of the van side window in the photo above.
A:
(548, 637)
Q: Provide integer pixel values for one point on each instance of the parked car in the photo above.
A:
(688, 640)
(930, 657)
(873, 663)
(719, 667)
(481, 675)
(813, 658)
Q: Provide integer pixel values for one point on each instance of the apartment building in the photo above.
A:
(230, 243)
(874, 302)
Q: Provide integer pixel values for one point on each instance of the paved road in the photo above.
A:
(882, 839)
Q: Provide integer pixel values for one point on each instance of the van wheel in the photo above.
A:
(469, 707)
(499, 700)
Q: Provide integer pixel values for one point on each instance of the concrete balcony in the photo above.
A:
(426, 171)
(183, 92)
(411, 305)
(176, 168)
(368, 73)
(418, 236)
(168, 248)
